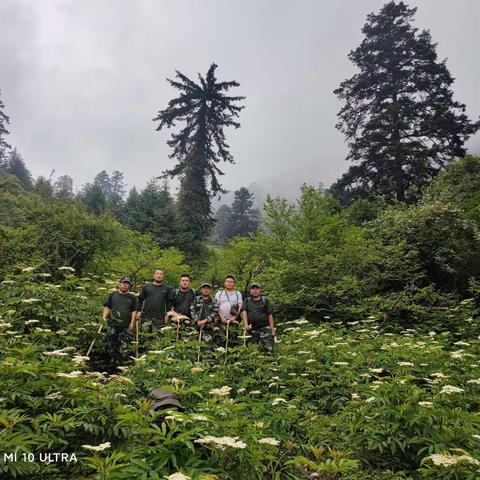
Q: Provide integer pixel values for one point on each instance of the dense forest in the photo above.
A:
(375, 283)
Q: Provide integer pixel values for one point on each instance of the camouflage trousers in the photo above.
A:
(118, 345)
(152, 324)
(262, 335)
(211, 338)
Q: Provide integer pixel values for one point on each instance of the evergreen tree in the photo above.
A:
(63, 187)
(14, 165)
(102, 180)
(199, 146)
(43, 187)
(4, 146)
(244, 218)
(94, 198)
(152, 211)
(399, 116)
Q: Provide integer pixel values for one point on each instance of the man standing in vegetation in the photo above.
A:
(154, 301)
(184, 296)
(204, 312)
(257, 315)
(229, 305)
(119, 312)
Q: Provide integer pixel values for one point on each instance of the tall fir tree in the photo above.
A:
(199, 146)
(399, 116)
(4, 146)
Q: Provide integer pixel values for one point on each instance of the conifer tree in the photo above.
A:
(399, 116)
(205, 110)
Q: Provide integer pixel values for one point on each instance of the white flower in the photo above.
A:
(8, 282)
(54, 396)
(221, 392)
(177, 476)
(31, 322)
(30, 300)
(277, 401)
(355, 396)
(196, 369)
(220, 349)
(66, 269)
(340, 363)
(447, 460)
(477, 437)
(255, 392)
(370, 400)
(97, 448)
(28, 269)
(200, 418)
(449, 389)
(406, 364)
(241, 390)
(426, 404)
(269, 441)
(80, 359)
(457, 354)
(55, 353)
(222, 442)
(475, 381)
(73, 374)
(300, 321)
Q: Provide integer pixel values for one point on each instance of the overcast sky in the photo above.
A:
(82, 80)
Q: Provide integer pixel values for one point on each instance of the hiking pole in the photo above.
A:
(93, 341)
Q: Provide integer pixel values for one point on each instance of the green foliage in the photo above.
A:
(333, 402)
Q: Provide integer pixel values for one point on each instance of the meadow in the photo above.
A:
(337, 400)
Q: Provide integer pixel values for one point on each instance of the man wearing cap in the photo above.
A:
(154, 301)
(119, 312)
(204, 313)
(257, 316)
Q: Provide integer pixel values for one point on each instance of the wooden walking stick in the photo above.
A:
(199, 346)
(137, 329)
(226, 339)
(93, 341)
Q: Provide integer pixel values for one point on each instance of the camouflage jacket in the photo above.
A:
(202, 309)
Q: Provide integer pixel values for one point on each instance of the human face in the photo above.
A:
(124, 287)
(229, 283)
(158, 276)
(184, 283)
(206, 291)
(255, 292)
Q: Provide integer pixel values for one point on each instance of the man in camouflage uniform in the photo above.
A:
(257, 316)
(119, 312)
(204, 313)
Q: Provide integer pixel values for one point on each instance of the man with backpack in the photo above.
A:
(154, 301)
(257, 316)
(229, 307)
(119, 312)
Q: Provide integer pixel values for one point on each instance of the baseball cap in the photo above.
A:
(125, 280)
(206, 284)
(255, 284)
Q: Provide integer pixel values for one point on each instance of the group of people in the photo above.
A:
(214, 318)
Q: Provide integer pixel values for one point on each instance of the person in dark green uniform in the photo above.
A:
(184, 296)
(119, 312)
(257, 316)
(154, 301)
